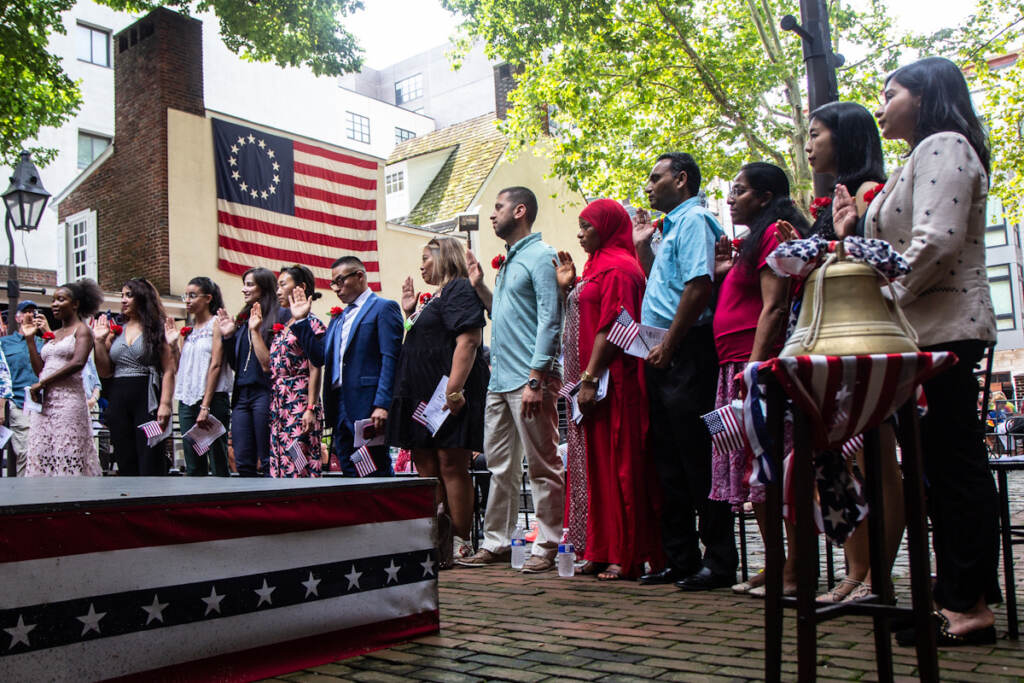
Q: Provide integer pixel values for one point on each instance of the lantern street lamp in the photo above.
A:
(25, 200)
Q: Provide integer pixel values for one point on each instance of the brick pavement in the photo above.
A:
(497, 624)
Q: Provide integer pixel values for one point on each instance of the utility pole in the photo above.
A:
(821, 63)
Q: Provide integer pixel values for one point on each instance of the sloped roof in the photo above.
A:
(476, 146)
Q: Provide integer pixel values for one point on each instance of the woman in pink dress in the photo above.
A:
(60, 441)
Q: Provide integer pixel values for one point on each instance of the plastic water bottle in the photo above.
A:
(518, 547)
(566, 556)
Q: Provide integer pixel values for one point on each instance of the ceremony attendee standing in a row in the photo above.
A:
(444, 339)
(681, 376)
(358, 354)
(140, 364)
(60, 441)
(22, 377)
(521, 414)
(203, 380)
(246, 346)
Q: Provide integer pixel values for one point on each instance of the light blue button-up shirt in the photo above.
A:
(526, 311)
(687, 251)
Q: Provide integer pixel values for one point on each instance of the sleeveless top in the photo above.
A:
(196, 353)
(128, 358)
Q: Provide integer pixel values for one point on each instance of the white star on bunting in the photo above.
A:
(156, 610)
(19, 632)
(353, 578)
(835, 516)
(392, 572)
(428, 566)
(213, 601)
(311, 583)
(264, 594)
(91, 620)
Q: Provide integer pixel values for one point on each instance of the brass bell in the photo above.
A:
(844, 314)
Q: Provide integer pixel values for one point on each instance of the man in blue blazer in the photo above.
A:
(359, 355)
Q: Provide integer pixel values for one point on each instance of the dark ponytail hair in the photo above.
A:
(267, 282)
(150, 313)
(945, 102)
(208, 286)
(87, 294)
(303, 277)
(765, 178)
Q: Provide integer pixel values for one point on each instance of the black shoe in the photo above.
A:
(705, 580)
(943, 638)
(667, 575)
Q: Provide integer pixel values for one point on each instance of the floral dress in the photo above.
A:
(292, 453)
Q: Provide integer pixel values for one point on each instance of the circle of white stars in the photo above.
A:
(236, 175)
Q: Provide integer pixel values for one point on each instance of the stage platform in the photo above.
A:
(191, 579)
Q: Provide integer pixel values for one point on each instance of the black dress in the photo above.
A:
(426, 357)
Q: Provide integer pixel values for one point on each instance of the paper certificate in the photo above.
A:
(602, 391)
(365, 434)
(434, 412)
(647, 339)
(30, 404)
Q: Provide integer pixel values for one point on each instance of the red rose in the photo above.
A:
(185, 331)
(737, 245)
(873, 192)
(278, 327)
(498, 261)
(336, 311)
(425, 297)
(578, 279)
(818, 204)
(115, 328)
(48, 336)
(241, 319)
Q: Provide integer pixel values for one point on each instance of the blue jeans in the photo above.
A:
(250, 431)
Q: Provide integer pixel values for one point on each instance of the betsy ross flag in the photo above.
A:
(623, 330)
(726, 428)
(283, 201)
(363, 461)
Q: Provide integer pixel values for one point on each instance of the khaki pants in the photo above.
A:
(507, 438)
(19, 424)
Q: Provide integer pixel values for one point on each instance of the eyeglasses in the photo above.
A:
(339, 281)
(189, 296)
(737, 190)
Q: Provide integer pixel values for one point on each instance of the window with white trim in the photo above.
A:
(76, 248)
(394, 182)
(357, 127)
(92, 45)
(89, 147)
(1001, 289)
(995, 223)
(408, 89)
(401, 135)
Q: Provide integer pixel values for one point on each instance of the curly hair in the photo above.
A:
(87, 294)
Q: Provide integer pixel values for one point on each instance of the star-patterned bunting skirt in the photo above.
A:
(201, 584)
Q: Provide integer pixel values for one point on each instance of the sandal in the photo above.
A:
(612, 572)
(746, 586)
(837, 595)
(943, 638)
(859, 593)
(588, 568)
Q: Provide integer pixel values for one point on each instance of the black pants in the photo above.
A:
(341, 445)
(681, 448)
(129, 408)
(962, 499)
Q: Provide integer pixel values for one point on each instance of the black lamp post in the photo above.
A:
(821, 62)
(25, 199)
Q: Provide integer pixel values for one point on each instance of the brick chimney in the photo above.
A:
(158, 64)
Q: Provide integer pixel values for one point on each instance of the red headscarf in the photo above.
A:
(612, 223)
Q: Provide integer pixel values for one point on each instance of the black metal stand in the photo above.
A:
(880, 605)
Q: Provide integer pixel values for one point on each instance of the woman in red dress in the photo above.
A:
(621, 522)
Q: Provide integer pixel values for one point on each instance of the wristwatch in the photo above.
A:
(588, 378)
(534, 383)
(456, 396)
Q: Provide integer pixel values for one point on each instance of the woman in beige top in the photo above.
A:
(933, 210)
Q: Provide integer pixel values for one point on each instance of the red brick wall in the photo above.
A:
(158, 64)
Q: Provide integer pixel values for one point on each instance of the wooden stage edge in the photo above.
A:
(175, 578)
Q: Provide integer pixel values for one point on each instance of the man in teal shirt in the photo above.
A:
(22, 376)
(682, 373)
(521, 416)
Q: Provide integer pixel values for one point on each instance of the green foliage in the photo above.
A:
(624, 80)
(34, 90)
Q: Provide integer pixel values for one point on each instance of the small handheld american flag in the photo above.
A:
(200, 448)
(151, 429)
(298, 459)
(623, 330)
(419, 415)
(726, 431)
(364, 463)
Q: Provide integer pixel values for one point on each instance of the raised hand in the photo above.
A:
(101, 328)
(844, 212)
(565, 271)
(476, 272)
(723, 258)
(299, 303)
(42, 324)
(787, 232)
(171, 333)
(408, 297)
(643, 228)
(30, 326)
(225, 323)
(255, 317)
